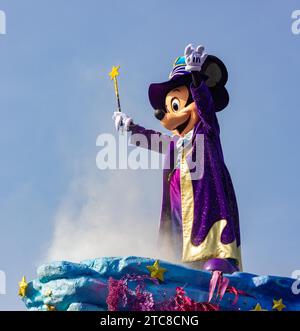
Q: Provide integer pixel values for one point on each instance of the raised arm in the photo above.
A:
(205, 105)
(200, 92)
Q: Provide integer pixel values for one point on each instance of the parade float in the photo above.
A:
(199, 217)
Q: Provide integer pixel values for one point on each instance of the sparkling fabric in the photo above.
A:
(214, 197)
(175, 205)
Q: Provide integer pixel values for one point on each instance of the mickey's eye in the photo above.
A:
(175, 104)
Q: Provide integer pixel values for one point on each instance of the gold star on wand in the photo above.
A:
(22, 287)
(157, 271)
(113, 76)
(114, 72)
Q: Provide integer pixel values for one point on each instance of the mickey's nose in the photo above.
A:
(159, 114)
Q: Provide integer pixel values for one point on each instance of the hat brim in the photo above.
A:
(157, 91)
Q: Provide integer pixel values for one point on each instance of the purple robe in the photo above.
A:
(199, 217)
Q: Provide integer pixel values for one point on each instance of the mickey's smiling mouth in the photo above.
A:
(180, 128)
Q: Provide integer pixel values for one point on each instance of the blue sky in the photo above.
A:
(56, 98)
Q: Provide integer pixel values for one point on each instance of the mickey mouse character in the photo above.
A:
(199, 216)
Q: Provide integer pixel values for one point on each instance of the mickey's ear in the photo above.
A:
(220, 97)
(215, 70)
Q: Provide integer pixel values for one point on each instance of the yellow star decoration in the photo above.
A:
(259, 308)
(50, 308)
(22, 287)
(278, 305)
(157, 271)
(114, 72)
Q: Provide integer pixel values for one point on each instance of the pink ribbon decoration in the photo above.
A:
(219, 280)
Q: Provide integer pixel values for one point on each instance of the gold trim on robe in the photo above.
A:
(212, 246)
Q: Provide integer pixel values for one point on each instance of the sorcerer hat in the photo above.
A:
(216, 77)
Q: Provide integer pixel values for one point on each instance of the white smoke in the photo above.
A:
(103, 218)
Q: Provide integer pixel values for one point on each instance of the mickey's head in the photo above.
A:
(173, 102)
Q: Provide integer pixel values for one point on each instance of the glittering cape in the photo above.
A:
(207, 205)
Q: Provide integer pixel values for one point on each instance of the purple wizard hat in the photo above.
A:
(214, 71)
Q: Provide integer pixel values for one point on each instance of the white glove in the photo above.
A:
(122, 121)
(194, 58)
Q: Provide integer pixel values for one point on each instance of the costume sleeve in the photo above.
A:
(149, 139)
(205, 106)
